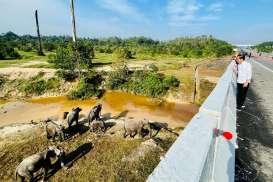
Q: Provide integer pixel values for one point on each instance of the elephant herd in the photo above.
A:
(55, 131)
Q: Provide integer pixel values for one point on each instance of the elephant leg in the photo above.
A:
(45, 174)
(132, 135)
(104, 126)
(22, 178)
(125, 134)
(30, 176)
(156, 133)
(151, 133)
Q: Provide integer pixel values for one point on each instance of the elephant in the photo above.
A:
(73, 116)
(157, 126)
(65, 115)
(41, 160)
(133, 127)
(94, 114)
(54, 130)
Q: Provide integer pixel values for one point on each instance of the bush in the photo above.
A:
(142, 82)
(53, 83)
(153, 85)
(171, 81)
(64, 57)
(87, 87)
(8, 52)
(66, 75)
(67, 56)
(118, 77)
(37, 87)
(153, 67)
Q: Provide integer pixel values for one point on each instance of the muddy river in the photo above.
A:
(114, 104)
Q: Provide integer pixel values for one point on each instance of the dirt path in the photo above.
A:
(26, 73)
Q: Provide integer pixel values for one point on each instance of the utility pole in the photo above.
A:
(196, 93)
(73, 21)
(40, 51)
(74, 37)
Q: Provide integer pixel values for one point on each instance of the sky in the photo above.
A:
(235, 21)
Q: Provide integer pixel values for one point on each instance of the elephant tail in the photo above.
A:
(171, 131)
(16, 174)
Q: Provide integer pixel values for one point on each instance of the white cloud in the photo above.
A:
(122, 7)
(187, 12)
(215, 7)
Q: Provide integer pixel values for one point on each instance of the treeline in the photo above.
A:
(197, 47)
(265, 47)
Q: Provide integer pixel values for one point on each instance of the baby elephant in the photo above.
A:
(94, 114)
(53, 130)
(157, 126)
(134, 127)
(38, 161)
(73, 116)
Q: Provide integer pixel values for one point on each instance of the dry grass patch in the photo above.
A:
(89, 157)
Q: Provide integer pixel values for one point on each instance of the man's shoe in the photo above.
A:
(239, 109)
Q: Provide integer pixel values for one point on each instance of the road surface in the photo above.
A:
(254, 157)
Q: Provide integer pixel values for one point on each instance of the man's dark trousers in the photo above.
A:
(241, 94)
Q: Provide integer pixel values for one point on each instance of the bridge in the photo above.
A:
(200, 154)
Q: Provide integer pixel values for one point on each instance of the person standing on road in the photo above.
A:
(244, 73)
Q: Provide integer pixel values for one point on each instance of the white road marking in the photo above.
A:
(263, 66)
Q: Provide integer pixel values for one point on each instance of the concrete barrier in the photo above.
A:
(197, 154)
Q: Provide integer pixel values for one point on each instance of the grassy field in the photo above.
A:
(89, 157)
(26, 58)
(181, 68)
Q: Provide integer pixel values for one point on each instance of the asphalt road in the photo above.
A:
(254, 157)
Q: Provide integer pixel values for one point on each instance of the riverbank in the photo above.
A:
(114, 103)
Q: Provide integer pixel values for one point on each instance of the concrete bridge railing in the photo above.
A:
(198, 154)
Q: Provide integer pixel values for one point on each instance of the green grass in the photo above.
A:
(26, 57)
(103, 58)
(41, 65)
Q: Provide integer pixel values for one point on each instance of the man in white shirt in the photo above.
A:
(244, 74)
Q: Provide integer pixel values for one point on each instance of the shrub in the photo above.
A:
(64, 57)
(87, 87)
(171, 81)
(153, 85)
(150, 85)
(67, 56)
(153, 67)
(53, 83)
(66, 75)
(118, 77)
(142, 82)
(38, 76)
(8, 52)
(37, 87)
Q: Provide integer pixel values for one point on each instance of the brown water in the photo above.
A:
(114, 103)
